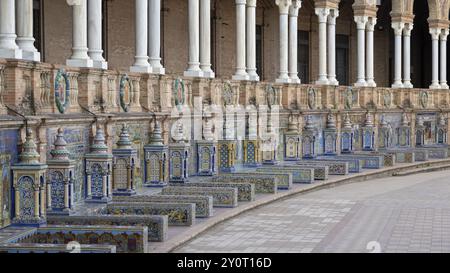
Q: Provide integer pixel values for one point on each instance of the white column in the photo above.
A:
(370, 28)
(407, 55)
(95, 34)
(435, 32)
(444, 35)
(194, 40)
(293, 41)
(8, 46)
(322, 14)
(141, 63)
(251, 40)
(241, 73)
(79, 56)
(334, 13)
(361, 22)
(398, 30)
(24, 24)
(205, 38)
(154, 36)
(283, 6)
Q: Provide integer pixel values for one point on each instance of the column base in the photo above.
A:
(397, 85)
(141, 69)
(253, 77)
(283, 80)
(209, 74)
(63, 212)
(11, 53)
(100, 65)
(333, 81)
(193, 73)
(295, 80)
(444, 86)
(158, 70)
(435, 86)
(371, 83)
(322, 81)
(98, 200)
(360, 83)
(124, 192)
(407, 85)
(241, 77)
(33, 56)
(80, 62)
(155, 184)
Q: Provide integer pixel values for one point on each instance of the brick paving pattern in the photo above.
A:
(402, 214)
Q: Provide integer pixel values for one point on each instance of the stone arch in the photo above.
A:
(438, 9)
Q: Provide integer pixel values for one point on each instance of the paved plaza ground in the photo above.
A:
(394, 214)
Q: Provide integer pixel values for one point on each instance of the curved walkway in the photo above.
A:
(394, 214)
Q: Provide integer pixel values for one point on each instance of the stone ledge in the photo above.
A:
(191, 233)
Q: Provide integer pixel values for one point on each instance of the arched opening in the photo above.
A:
(421, 47)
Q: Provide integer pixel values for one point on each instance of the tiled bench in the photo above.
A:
(301, 175)
(403, 155)
(246, 191)
(369, 161)
(157, 224)
(203, 204)
(284, 179)
(421, 155)
(55, 249)
(388, 159)
(354, 165)
(436, 152)
(263, 183)
(125, 239)
(334, 167)
(320, 172)
(222, 197)
(179, 214)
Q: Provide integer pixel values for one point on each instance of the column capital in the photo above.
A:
(283, 5)
(295, 6)
(408, 29)
(322, 14)
(334, 14)
(361, 21)
(241, 2)
(371, 24)
(398, 28)
(444, 34)
(435, 33)
(74, 2)
(251, 3)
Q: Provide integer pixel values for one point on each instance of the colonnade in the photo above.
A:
(17, 41)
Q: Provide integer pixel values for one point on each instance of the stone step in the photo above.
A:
(423, 170)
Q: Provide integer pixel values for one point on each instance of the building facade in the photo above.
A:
(374, 71)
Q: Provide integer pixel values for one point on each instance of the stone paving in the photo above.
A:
(398, 214)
